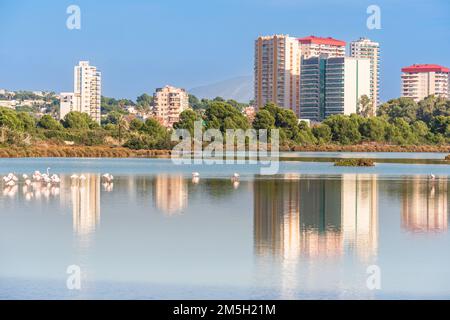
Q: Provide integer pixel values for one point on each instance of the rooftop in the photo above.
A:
(425, 68)
(319, 40)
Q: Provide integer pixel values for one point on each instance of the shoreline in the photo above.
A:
(121, 152)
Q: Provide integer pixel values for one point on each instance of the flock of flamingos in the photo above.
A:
(46, 180)
(49, 181)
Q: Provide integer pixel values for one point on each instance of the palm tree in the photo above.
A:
(365, 107)
(122, 124)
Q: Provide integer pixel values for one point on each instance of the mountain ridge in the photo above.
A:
(238, 88)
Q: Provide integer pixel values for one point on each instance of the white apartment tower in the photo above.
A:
(422, 80)
(332, 85)
(365, 48)
(86, 95)
(168, 103)
(277, 71)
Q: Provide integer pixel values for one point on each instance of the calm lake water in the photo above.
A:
(311, 231)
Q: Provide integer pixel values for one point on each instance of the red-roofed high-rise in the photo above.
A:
(421, 80)
(313, 46)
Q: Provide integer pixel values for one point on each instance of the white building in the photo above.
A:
(66, 103)
(332, 85)
(356, 82)
(421, 80)
(11, 104)
(365, 48)
(86, 96)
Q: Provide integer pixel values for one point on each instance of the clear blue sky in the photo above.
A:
(139, 45)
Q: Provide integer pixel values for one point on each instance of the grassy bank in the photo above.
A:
(122, 152)
(371, 148)
(79, 152)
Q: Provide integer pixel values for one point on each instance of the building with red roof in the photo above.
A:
(313, 46)
(421, 80)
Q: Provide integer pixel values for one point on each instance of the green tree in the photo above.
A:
(263, 120)
(78, 120)
(441, 125)
(9, 118)
(28, 122)
(405, 108)
(187, 120)
(152, 135)
(365, 107)
(285, 120)
(221, 115)
(49, 123)
(421, 130)
(407, 136)
(305, 134)
(144, 101)
(432, 107)
(344, 129)
(136, 124)
(373, 129)
(322, 132)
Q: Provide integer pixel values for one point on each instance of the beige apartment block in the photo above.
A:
(277, 71)
(365, 48)
(422, 80)
(168, 103)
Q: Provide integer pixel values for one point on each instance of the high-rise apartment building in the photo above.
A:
(315, 46)
(168, 103)
(277, 71)
(332, 85)
(86, 95)
(365, 48)
(422, 80)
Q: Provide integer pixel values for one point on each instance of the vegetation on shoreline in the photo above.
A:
(354, 163)
(447, 158)
(401, 125)
(79, 152)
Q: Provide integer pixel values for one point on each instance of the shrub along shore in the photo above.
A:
(401, 125)
(80, 152)
(354, 163)
(122, 152)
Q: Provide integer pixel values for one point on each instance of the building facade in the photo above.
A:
(332, 85)
(277, 71)
(316, 46)
(86, 95)
(66, 103)
(422, 80)
(365, 48)
(168, 103)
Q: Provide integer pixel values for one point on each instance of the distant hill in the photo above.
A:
(238, 88)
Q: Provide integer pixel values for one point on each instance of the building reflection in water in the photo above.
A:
(308, 220)
(316, 217)
(85, 195)
(170, 193)
(425, 205)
